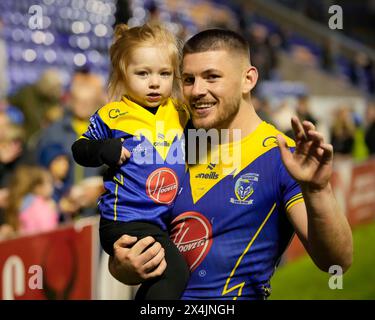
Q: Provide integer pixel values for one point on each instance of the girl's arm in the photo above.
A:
(94, 153)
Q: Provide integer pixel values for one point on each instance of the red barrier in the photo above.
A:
(61, 264)
(361, 195)
(354, 187)
(53, 265)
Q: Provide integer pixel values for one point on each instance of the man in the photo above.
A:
(40, 102)
(83, 185)
(86, 95)
(233, 228)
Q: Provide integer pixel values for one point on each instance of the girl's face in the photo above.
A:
(149, 76)
(45, 189)
(59, 167)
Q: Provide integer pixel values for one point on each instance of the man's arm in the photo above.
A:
(323, 230)
(319, 223)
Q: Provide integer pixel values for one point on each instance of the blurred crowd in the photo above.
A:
(351, 133)
(40, 184)
(358, 25)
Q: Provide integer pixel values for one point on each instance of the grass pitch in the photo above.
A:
(302, 280)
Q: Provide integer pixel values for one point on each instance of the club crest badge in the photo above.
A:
(244, 188)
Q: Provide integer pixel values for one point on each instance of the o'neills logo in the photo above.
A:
(192, 234)
(162, 185)
(211, 175)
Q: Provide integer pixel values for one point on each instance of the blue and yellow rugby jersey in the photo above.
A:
(145, 186)
(233, 228)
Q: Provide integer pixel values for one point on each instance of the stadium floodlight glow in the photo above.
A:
(78, 27)
(86, 26)
(49, 38)
(17, 35)
(83, 42)
(46, 22)
(48, 2)
(134, 22)
(94, 56)
(79, 59)
(50, 56)
(139, 13)
(29, 55)
(38, 37)
(106, 10)
(73, 41)
(78, 4)
(100, 30)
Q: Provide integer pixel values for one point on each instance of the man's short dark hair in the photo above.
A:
(217, 39)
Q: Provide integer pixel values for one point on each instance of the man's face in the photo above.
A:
(149, 76)
(212, 85)
(84, 102)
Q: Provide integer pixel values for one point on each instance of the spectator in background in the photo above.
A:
(370, 128)
(40, 101)
(153, 13)
(263, 54)
(86, 96)
(5, 158)
(80, 201)
(369, 74)
(6, 232)
(30, 207)
(302, 110)
(315, 10)
(281, 118)
(12, 154)
(55, 159)
(327, 57)
(11, 150)
(15, 114)
(343, 131)
(263, 109)
(123, 13)
(4, 83)
(361, 72)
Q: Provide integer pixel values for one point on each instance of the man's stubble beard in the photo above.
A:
(224, 116)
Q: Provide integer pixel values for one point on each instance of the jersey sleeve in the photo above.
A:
(291, 193)
(97, 129)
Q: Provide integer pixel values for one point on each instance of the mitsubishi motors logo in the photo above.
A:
(192, 234)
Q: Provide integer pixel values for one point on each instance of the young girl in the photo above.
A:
(30, 207)
(147, 121)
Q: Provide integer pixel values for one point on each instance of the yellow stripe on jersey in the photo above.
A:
(293, 202)
(121, 181)
(297, 196)
(115, 205)
(133, 119)
(240, 286)
(242, 153)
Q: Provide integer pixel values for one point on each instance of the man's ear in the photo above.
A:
(250, 79)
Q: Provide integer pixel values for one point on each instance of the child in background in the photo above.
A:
(147, 121)
(30, 207)
(54, 158)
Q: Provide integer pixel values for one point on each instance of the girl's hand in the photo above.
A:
(125, 154)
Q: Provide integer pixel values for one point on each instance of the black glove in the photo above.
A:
(94, 153)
